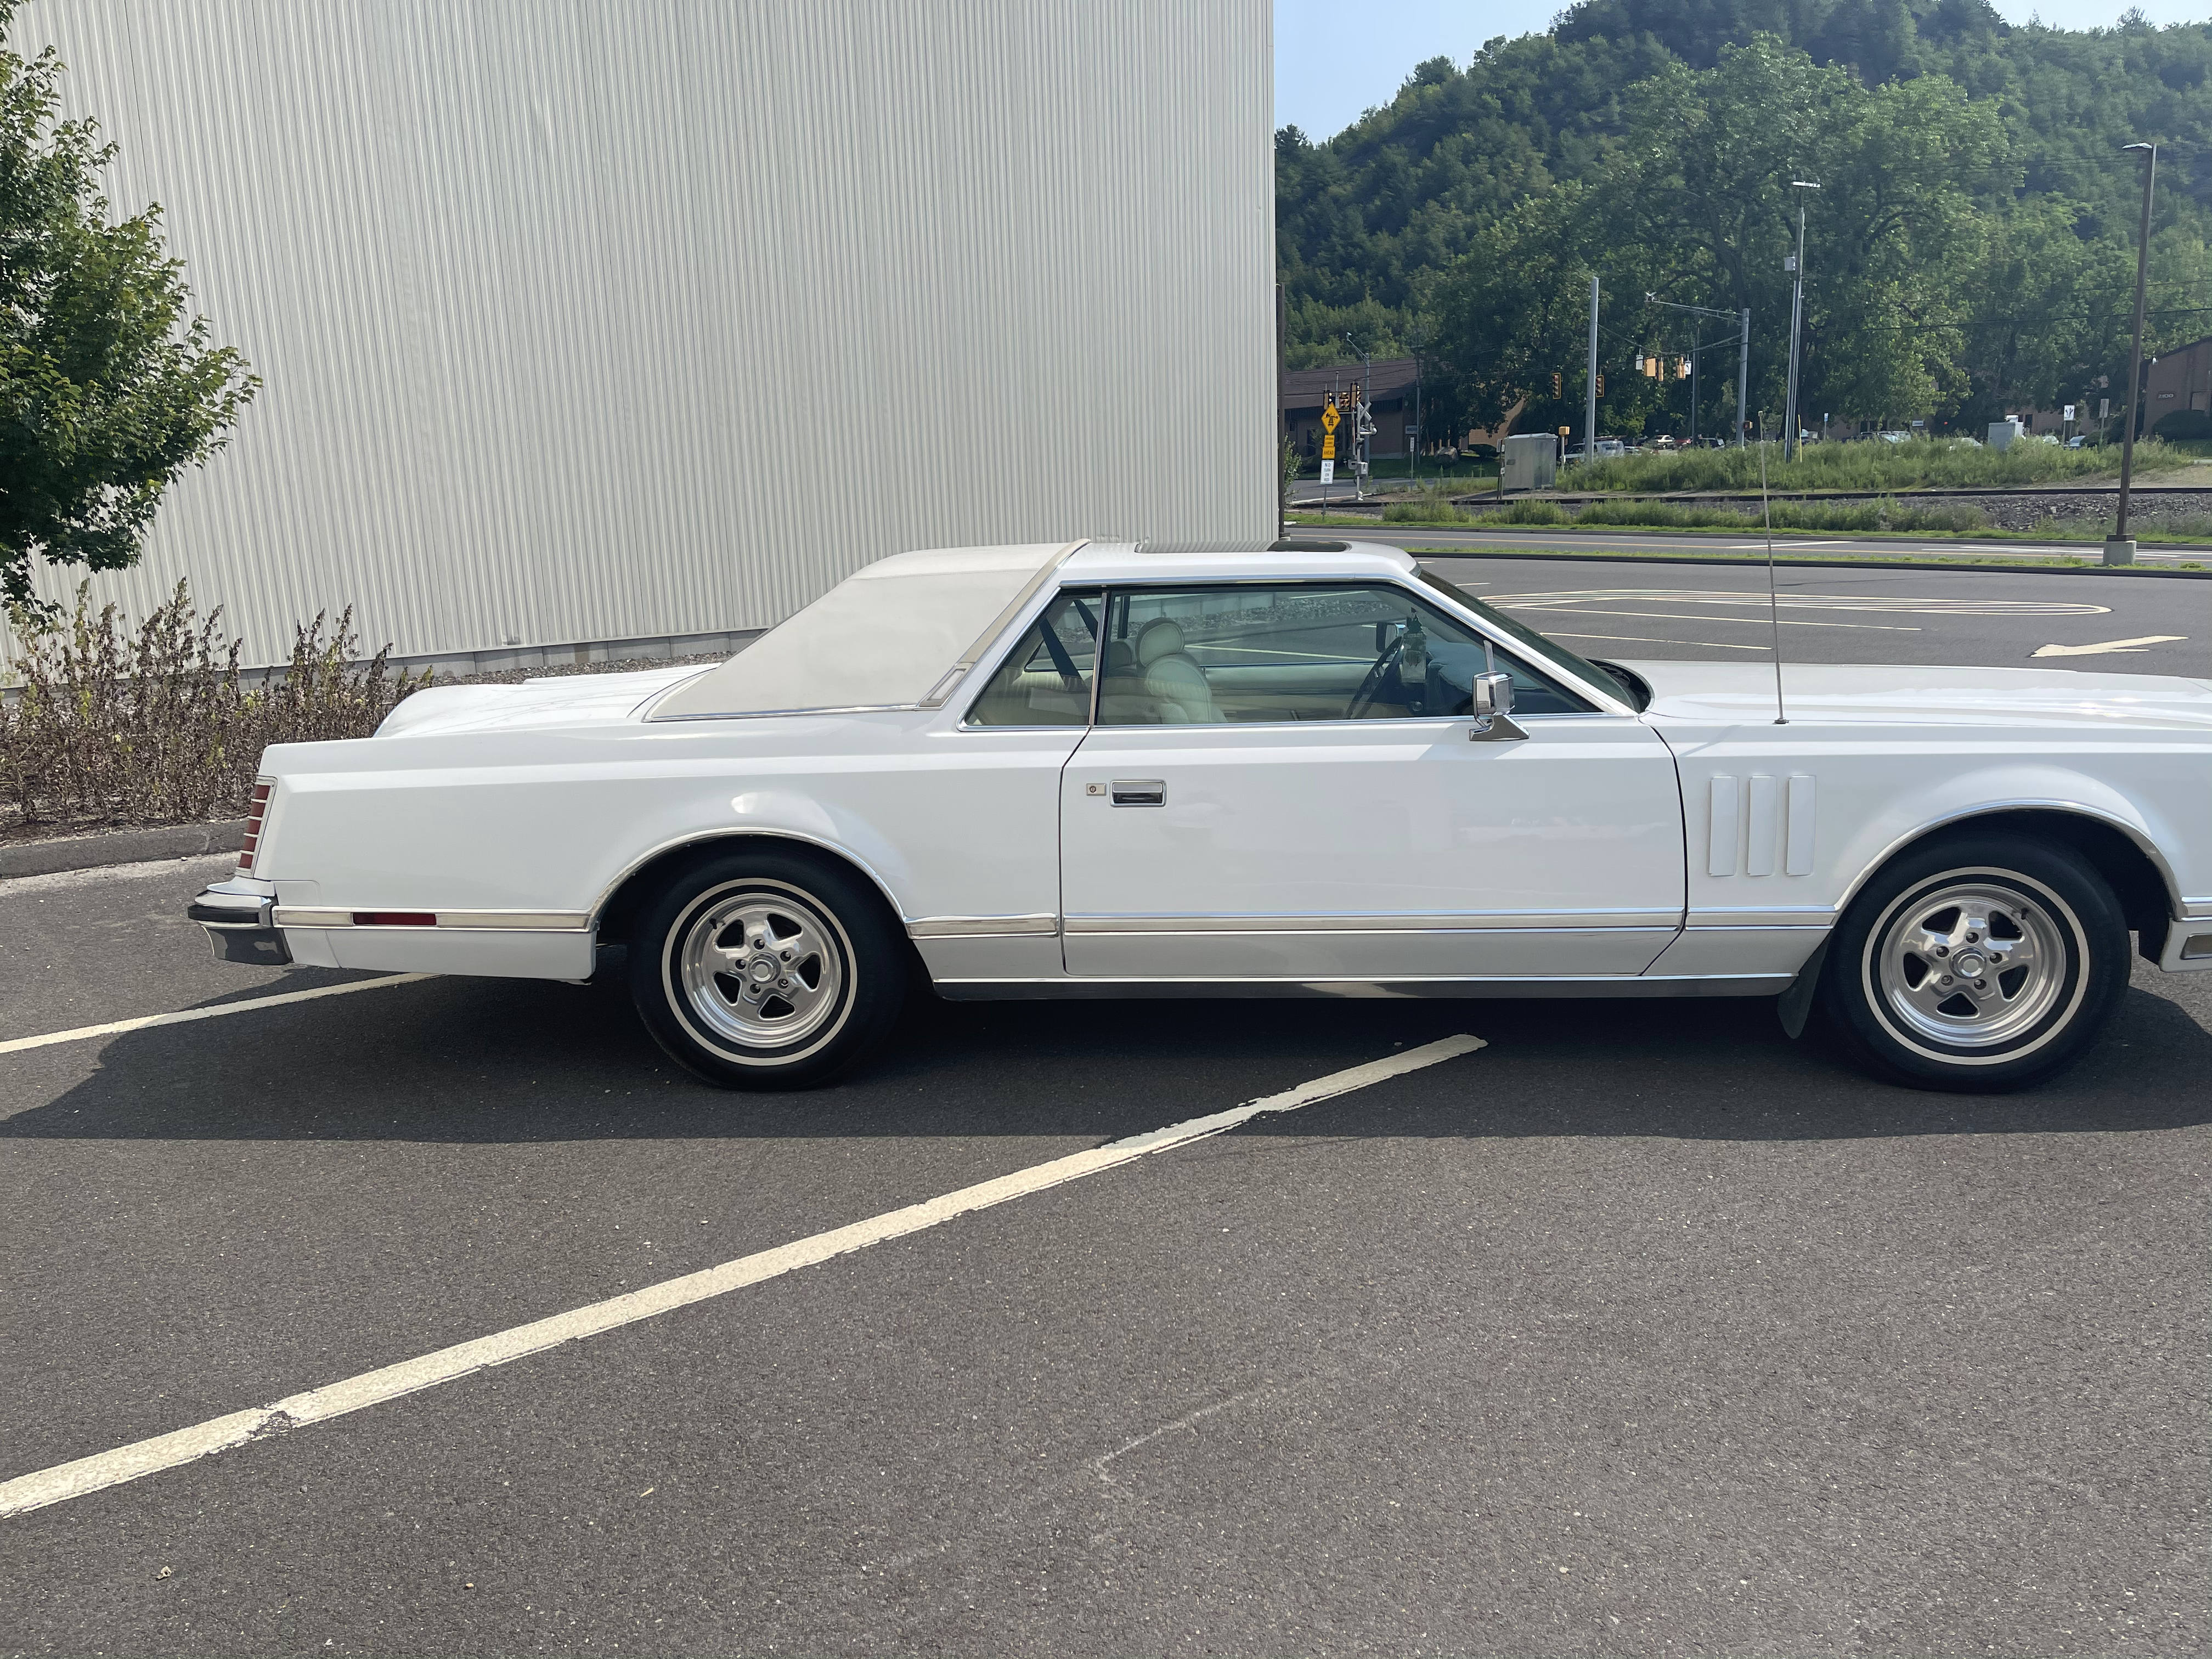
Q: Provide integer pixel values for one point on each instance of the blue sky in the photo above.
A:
(1336, 58)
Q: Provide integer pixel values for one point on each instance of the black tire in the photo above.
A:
(808, 987)
(1884, 994)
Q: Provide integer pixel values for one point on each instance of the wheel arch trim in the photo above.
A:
(2136, 834)
(703, 838)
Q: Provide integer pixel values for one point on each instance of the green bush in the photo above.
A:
(2187, 425)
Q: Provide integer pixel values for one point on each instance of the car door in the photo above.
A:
(1280, 783)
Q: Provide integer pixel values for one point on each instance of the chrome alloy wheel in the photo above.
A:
(765, 969)
(1972, 966)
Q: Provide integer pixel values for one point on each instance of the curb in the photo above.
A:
(174, 841)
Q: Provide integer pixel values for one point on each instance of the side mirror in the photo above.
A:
(1493, 695)
(1384, 632)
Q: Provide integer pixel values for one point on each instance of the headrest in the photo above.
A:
(1160, 637)
(1121, 658)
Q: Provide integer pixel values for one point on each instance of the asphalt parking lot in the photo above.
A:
(1639, 1329)
(2012, 619)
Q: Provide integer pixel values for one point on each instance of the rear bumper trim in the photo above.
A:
(237, 915)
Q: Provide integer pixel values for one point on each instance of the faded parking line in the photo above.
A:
(111, 1468)
(115, 1027)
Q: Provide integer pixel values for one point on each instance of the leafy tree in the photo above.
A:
(108, 389)
(1971, 251)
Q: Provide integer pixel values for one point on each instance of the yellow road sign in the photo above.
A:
(1329, 418)
(1329, 445)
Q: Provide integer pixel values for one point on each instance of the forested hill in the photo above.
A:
(1976, 215)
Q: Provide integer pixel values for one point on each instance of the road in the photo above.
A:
(1641, 1328)
(1736, 545)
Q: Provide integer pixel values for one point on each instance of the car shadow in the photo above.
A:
(511, 1061)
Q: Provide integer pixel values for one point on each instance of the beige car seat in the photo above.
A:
(1172, 678)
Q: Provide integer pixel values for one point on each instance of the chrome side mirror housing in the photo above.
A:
(1493, 708)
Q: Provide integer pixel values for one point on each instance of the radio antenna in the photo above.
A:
(1773, 604)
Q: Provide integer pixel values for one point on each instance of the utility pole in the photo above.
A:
(1743, 382)
(1790, 442)
(1417, 336)
(2119, 548)
(1589, 386)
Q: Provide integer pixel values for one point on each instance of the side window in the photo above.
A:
(1046, 678)
(1296, 652)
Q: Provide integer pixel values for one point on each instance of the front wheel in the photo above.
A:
(1978, 964)
(767, 969)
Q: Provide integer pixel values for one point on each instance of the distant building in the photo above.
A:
(2180, 380)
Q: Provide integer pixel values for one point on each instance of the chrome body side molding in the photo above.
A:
(1482, 921)
(530, 922)
(1727, 985)
(980, 926)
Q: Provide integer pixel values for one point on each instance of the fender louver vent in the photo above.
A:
(1754, 818)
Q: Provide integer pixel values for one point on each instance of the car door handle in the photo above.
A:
(1140, 791)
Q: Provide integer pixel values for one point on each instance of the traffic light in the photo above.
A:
(1555, 383)
(1600, 383)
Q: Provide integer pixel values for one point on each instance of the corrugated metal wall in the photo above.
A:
(587, 321)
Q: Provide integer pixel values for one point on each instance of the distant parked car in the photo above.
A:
(1894, 437)
(2077, 441)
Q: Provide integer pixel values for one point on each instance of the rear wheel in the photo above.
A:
(763, 969)
(1978, 964)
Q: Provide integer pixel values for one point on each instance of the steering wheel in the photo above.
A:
(1361, 699)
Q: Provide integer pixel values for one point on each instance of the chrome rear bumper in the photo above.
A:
(2188, 946)
(236, 914)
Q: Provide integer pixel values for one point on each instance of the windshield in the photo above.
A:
(1602, 678)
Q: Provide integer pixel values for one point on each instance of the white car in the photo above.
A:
(1108, 770)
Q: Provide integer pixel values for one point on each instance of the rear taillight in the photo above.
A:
(256, 808)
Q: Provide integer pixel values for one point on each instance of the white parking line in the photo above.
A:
(14, 1045)
(1673, 615)
(167, 1452)
(1645, 639)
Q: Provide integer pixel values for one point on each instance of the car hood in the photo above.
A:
(1740, 693)
(567, 700)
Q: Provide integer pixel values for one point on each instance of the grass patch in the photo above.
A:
(1867, 518)
(1940, 562)
(1873, 467)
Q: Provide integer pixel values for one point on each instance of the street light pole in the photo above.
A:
(2118, 548)
(1790, 442)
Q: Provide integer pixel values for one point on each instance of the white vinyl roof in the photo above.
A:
(883, 637)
